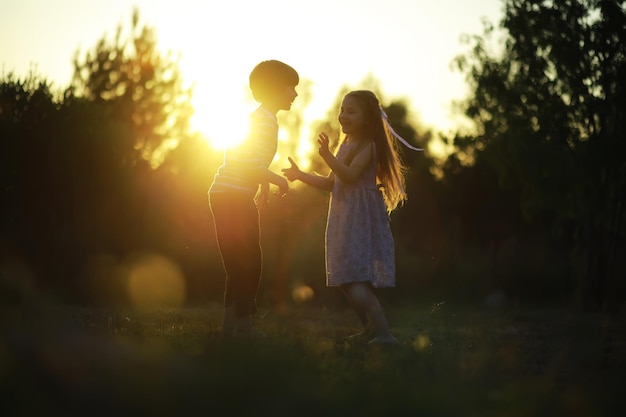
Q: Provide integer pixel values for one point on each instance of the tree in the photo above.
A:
(26, 106)
(76, 178)
(547, 115)
(144, 87)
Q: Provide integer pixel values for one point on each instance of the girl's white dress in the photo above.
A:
(359, 244)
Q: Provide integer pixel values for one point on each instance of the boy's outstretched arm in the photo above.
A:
(278, 181)
(320, 182)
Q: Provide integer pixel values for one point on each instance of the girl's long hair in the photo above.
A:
(390, 169)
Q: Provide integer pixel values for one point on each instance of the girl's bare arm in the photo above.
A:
(324, 183)
(347, 172)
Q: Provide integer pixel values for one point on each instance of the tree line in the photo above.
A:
(107, 174)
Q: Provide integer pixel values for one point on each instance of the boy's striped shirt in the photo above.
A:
(244, 162)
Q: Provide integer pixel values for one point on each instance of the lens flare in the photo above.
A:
(302, 293)
(421, 342)
(155, 281)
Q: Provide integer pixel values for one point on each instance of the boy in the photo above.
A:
(240, 188)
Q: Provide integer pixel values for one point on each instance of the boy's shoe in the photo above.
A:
(249, 333)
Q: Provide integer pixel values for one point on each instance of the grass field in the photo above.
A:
(450, 361)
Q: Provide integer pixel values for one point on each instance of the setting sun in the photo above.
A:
(221, 116)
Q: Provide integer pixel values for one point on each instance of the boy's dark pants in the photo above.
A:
(237, 229)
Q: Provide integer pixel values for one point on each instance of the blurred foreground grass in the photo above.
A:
(450, 362)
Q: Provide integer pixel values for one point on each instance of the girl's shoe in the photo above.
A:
(386, 340)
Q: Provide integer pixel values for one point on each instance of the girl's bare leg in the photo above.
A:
(370, 312)
(381, 328)
(361, 313)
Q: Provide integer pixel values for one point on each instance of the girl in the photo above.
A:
(240, 188)
(366, 183)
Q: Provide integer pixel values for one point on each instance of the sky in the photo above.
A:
(407, 45)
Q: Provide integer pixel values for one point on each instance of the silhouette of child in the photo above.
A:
(240, 189)
(366, 184)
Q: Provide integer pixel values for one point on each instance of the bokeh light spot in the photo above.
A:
(302, 293)
(154, 281)
(421, 342)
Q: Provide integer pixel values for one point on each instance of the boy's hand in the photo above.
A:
(261, 197)
(283, 187)
(293, 172)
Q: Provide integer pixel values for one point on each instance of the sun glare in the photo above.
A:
(221, 116)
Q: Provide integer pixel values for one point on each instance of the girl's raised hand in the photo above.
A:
(323, 142)
(293, 172)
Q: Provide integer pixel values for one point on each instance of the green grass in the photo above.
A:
(450, 361)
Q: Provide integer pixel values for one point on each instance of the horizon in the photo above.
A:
(196, 32)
